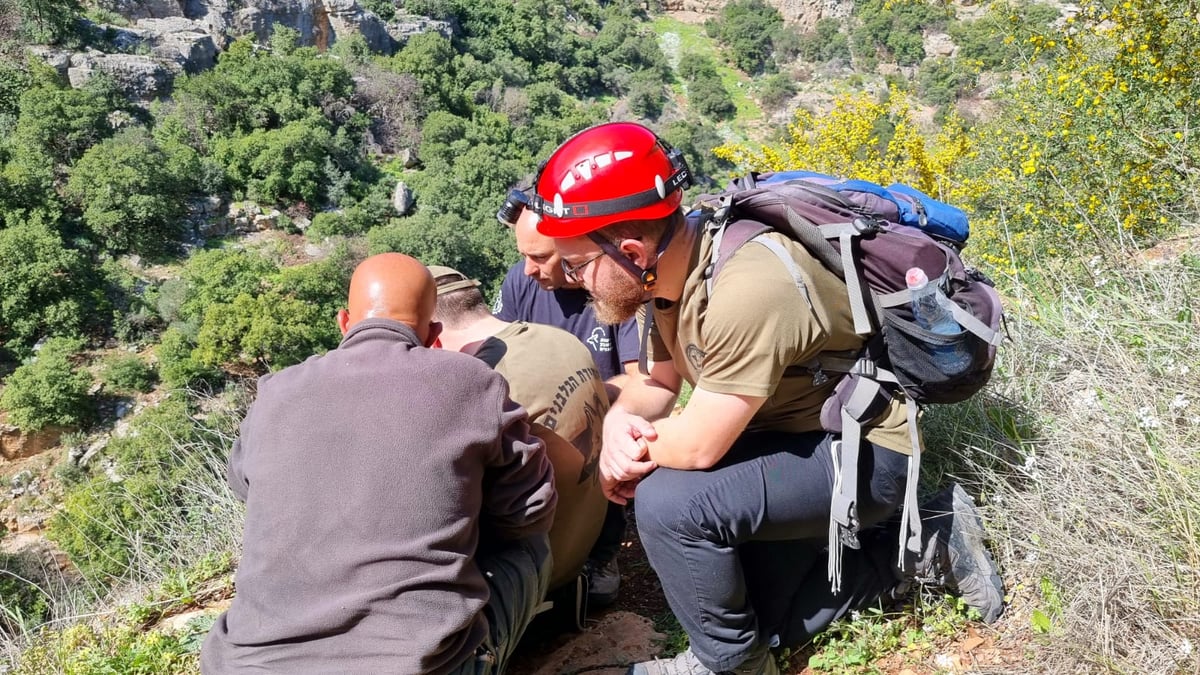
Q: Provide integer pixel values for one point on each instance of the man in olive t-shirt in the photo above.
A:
(734, 493)
(553, 377)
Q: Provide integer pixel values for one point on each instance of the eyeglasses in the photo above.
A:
(573, 273)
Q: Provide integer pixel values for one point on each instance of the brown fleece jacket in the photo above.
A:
(369, 475)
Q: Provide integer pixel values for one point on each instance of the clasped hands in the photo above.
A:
(625, 454)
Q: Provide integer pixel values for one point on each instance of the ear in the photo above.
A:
(435, 330)
(343, 320)
(635, 250)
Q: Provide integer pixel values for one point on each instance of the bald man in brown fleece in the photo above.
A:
(396, 504)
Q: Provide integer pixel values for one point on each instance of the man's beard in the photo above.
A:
(622, 296)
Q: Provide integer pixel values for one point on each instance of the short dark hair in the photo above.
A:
(454, 308)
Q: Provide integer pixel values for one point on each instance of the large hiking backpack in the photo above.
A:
(869, 236)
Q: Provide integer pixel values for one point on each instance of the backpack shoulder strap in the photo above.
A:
(728, 239)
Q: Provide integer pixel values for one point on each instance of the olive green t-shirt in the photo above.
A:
(755, 332)
(552, 375)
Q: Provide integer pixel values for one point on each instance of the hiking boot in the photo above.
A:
(760, 662)
(603, 583)
(954, 555)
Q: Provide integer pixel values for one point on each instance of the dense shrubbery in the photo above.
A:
(1094, 150)
(978, 42)
(131, 196)
(827, 42)
(746, 29)
(894, 30)
(706, 93)
(43, 287)
(128, 374)
(942, 81)
(111, 522)
(238, 310)
(51, 389)
(863, 138)
(775, 90)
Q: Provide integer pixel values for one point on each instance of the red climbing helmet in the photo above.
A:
(608, 174)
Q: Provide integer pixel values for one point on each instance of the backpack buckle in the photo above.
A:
(865, 225)
(865, 367)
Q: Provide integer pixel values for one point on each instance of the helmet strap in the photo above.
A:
(647, 276)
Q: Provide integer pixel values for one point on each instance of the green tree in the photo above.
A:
(710, 98)
(942, 81)
(895, 29)
(14, 79)
(431, 59)
(826, 42)
(27, 186)
(177, 364)
(130, 199)
(65, 122)
(127, 374)
(257, 89)
(693, 65)
(50, 389)
(979, 39)
(440, 239)
(647, 95)
(50, 21)
(44, 287)
(775, 90)
(273, 164)
(746, 27)
(219, 276)
(265, 332)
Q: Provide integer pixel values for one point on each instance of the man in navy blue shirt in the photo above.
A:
(536, 290)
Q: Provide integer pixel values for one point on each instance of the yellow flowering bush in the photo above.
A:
(862, 138)
(1097, 148)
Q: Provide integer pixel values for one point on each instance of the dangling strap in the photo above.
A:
(910, 517)
(647, 325)
(840, 519)
(843, 508)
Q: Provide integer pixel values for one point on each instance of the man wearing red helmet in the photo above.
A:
(733, 494)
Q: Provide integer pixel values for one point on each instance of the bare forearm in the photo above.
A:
(647, 398)
(700, 436)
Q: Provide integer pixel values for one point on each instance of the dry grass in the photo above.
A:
(1086, 453)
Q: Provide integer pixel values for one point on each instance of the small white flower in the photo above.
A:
(1185, 649)
(1088, 399)
(1146, 418)
(1184, 370)
(1179, 403)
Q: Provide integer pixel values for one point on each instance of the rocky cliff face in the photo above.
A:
(169, 37)
(802, 14)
